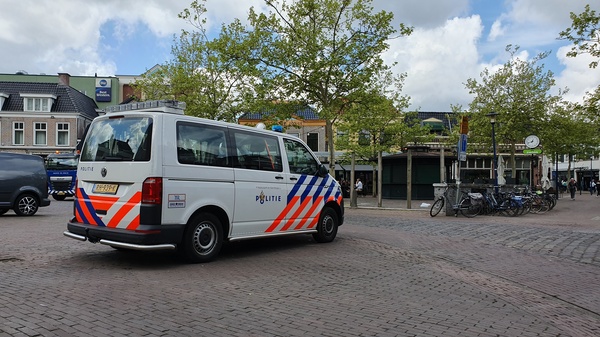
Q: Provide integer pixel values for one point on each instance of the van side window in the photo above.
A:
(199, 144)
(257, 152)
(299, 158)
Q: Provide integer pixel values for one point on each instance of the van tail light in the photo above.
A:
(152, 191)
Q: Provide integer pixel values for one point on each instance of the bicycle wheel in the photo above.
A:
(511, 208)
(469, 209)
(436, 207)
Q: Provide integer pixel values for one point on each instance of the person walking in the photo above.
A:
(572, 186)
(592, 187)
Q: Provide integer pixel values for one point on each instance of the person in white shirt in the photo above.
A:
(358, 186)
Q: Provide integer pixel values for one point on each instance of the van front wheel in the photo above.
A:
(202, 239)
(327, 226)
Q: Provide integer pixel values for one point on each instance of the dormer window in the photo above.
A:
(38, 102)
(3, 98)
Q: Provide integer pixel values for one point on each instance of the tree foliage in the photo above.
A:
(211, 84)
(584, 33)
(323, 52)
(519, 92)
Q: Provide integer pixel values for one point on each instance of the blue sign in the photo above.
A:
(103, 90)
(462, 147)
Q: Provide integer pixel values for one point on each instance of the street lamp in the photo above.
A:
(492, 115)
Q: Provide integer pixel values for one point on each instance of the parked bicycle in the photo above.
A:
(502, 203)
(469, 204)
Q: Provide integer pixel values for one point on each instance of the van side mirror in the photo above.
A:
(323, 171)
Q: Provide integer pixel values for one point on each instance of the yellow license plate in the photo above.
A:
(105, 188)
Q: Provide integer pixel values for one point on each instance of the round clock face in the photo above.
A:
(532, 141)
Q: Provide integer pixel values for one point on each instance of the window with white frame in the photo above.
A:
(37, 102)
(39, 134)
(18, 133)
(62, 134)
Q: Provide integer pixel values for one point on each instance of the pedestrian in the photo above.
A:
(358, 186)
(572, 186)
(592, 187)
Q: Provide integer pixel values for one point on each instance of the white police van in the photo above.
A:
(151, 178)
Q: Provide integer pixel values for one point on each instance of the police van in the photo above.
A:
(151, 178)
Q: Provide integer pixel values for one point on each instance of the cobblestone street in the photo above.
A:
(390, 272)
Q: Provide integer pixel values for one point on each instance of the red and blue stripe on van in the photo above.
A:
(304, 203)
(88, 209)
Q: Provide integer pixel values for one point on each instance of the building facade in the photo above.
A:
(43, 118)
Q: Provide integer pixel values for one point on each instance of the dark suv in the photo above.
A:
(23, 183)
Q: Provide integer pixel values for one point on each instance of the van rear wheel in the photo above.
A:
(327, 226)
(26, 204)
(202, 239)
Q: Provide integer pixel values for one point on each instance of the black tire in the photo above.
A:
(26, 205)
(59, 197)
(468, 209)
(3, 210)
(327, 227)
(512, 208)
(436, 207)
(202, 239)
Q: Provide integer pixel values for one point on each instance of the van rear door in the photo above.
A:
(114, 163)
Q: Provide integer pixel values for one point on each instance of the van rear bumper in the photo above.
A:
(155, 237)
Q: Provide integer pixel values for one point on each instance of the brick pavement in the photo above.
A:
(389, 273)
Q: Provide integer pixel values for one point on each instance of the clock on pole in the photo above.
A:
(532, 141)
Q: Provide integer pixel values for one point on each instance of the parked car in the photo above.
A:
(23, 183)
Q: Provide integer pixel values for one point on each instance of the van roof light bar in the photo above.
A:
(169, 106)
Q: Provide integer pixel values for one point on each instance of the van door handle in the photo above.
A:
(278, 177)
(293, 178)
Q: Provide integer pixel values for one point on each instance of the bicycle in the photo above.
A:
(469, 204)
(503, 203)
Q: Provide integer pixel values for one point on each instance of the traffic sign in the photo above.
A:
(462, 148)
(532, 151)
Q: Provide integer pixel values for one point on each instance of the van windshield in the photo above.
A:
(118, 139)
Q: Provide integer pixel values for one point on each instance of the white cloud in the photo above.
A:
(496, 30)
(445, 50)
(578, 77)
(438, 62)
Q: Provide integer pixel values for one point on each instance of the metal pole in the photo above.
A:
(556, 175)
(409, 179)
(495, 163)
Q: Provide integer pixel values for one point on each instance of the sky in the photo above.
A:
(453, 40)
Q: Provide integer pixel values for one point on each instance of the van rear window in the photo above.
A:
(118, 139)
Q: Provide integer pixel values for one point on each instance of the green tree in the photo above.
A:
(569, 132)
(374, 123)
(322, 52)
(519, 92)
(584, 33)
(212, 85)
